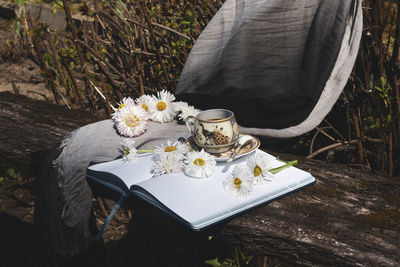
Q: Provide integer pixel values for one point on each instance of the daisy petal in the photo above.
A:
(239, 183)
(171, 149)
(179, 105)
(199, 164)
(259, 165)
(144, 101)
(166, 165)
(188, 111)
(129, 152)
(131, 121)
(125, 102)
(161, 107)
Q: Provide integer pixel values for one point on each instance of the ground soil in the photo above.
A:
(16, 67)
(26, 76)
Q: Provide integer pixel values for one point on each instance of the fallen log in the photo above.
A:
(29, 128)
(349, 218)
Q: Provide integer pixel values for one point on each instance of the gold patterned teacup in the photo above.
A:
(214, 130)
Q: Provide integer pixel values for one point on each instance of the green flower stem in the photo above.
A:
(145, 151)
(281, 168)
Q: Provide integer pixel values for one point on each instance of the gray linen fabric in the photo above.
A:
(279, 65)
(64, 201)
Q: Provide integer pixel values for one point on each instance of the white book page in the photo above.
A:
(204, 201)
(130, 173)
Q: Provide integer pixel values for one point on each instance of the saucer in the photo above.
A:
(224, 156)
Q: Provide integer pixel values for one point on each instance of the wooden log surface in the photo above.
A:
(29, 128)
(349, 217)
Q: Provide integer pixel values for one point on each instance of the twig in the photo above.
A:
(173, 31)
(333, 128)
(140, 70)
(97, 89)
(65, 101)
(100, 93)
(155, 42)
(390, 153)
(373, 140)
(102, 207)
(319, 130)
(360, 165)
(15, 87)
(60, 70)
(108, 104)
(43, 65)
(129, 214)
(358, 135)
(100, 59)
(89, 91)
(319, 151)
(72, 79)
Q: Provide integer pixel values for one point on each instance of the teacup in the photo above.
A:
(214, 130)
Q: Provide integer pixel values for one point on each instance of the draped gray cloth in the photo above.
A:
(64, 199)
(279, 65)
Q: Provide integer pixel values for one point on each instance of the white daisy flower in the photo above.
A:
(166, 165)
(179, 105)
(131, 121)
(239, 182)
(188, 111)
(199, 164)
(259, 165)
(171, 149)
(144, 101)
(161, 107)
(125, 102)
(129, 152)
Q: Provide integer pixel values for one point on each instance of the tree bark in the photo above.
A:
(29, 128)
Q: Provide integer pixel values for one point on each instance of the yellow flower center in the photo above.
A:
(132, 120)
(127, 151)
(161, 105)
(121, 106)
(199, 162)
(237, 182)
(170, 148)
(257, 170)
(145, 107)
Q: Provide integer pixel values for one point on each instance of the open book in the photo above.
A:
(197, 203)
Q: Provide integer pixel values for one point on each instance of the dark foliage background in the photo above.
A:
(127, 48)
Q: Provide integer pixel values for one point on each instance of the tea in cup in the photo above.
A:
(214, 130)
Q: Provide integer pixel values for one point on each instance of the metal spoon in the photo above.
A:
(243, 141)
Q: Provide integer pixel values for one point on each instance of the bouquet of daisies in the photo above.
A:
(132, 116)
(173, 157)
